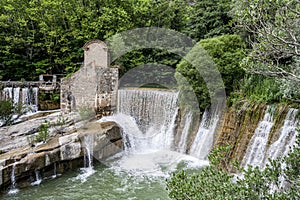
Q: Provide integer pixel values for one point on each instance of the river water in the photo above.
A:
(139, 176)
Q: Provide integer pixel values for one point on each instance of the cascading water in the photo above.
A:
(88, 145)
(257, 147)
(203, 141)
(54, 171)
(28, 97)
(38, 178)
(148, 120)
(287, 137)
(25, 96)
(88, 169)
(7, 93)
(153, 116)
(13, 189)
(16, 93)
(185, 132)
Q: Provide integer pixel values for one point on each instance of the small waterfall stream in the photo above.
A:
(28, 97)
(258, 152)
(16, 92)
(13, 189)
(256, 149)
(88, 145)
(185, 132)
(287, 137)
(203, 141)
(88, 168)
(38, 178)
(54, 171)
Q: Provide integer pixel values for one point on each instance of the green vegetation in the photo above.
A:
(254, 45)
(43, 132)
(209, 18)
(215, 182)
(46, 36)
(9, 112)
(36, 39)
(226, 52)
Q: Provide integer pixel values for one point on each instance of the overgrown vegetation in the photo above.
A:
(279, 180)
(43, 132)
(10, 112)
(225, 52)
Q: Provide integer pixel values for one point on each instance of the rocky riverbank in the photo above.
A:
(63, 148)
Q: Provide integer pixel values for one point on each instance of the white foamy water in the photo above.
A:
(147, 119)
(157, 163)
(287, 136)
(28, 97)
(203, 141)
(256, 150)
(185, 133)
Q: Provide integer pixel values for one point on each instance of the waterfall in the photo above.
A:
(38, 179)
(88, 170)
(147, 118)
(26, 96)
(54, 171)
(287, 136)
(185, 132)
(7, 93)
(148, 121)
(257, 147)
(88, 145)
(35, 91)
(204, 138)
(16, 97)
(13, 189)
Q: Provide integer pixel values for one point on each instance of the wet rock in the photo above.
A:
(70, 151)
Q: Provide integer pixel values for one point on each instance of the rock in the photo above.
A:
(65, 151)
(70, 151)
(68, 139)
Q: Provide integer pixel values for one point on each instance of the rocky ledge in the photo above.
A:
(63, 149)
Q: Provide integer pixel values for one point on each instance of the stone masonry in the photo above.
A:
(94, 86)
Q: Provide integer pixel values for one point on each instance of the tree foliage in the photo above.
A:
(46, 36)
(209, 18)
(226, 53)
(274, 35)
(9, 112)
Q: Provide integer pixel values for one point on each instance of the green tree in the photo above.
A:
(209, 19)
(46, 36)
(9, 112)
(226, 53)
(272, 29)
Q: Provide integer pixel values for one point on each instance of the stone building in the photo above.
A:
(94, 86)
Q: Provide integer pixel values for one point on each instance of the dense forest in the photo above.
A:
(250, 41)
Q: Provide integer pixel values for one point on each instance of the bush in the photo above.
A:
(260, 88)
(43, 132)
(225, 52)
(9, 112)
(213, 182)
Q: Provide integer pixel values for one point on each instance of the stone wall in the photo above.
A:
(94, 86)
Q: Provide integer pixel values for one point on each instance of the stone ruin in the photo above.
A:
(94, 86)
